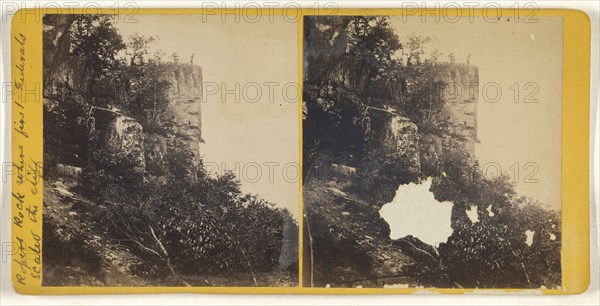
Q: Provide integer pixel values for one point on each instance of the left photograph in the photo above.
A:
(171, 154)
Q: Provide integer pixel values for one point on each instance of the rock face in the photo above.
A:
(185, 108)
(185, 79)
(184, 113)
(125, 137)
(58, 67)
(461, 94)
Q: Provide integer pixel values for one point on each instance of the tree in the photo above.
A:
(371, 44)
(95, 40)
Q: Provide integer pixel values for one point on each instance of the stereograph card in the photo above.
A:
(300, 151)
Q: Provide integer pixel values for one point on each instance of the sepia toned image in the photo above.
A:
(171, 152)
(240, 151)
(432, 152)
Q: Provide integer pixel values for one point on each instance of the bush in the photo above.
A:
(105, 171)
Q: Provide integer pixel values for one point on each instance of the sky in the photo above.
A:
(257, 137)
(524, 136)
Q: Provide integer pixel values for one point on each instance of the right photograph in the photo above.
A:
(432, 151)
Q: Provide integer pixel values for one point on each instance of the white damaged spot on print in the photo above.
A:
(472, 213)
(490, 211)
(529, 237)
(414, 211)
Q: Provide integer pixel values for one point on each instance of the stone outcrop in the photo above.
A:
(461, 94)
(185, 79)
(185, 107)
(59, 68)
(184, 113)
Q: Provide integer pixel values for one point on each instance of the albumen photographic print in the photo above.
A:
(312, 150)
(432, 152)
(168, 161)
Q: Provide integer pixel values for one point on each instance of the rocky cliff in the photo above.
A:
(461, 92)
(59, 67)
(185, 109)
